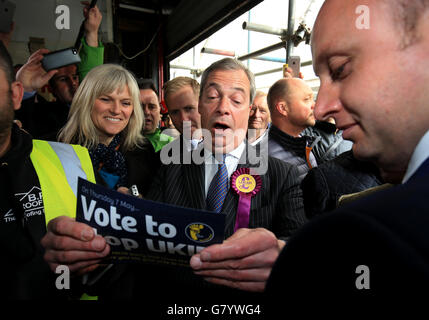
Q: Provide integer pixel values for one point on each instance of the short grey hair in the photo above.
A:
(229, 64)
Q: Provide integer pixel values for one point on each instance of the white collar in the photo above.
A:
(420, 154)
(192, 144)
(236, 153)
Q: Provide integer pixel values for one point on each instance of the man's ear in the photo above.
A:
(17, 94)
(282, 108)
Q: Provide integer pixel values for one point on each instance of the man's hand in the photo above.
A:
(73, 244)
(242, 261)
(32, 75)
(92, 24)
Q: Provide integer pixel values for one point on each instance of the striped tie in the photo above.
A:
(218, 189)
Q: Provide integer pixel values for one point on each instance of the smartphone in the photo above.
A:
(294, 63)
(7, 10)
(60, 58)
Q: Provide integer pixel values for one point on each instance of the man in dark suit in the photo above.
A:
(227, 90)
(374, 76)
(224, 105)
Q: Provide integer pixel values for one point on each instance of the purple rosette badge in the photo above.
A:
(246, 186)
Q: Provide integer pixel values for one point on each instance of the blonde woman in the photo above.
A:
(106, 117)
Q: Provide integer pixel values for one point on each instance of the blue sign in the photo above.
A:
(145, 231)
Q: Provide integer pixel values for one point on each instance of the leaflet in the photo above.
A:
(144, 231)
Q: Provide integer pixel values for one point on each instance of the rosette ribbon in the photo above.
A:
(246, 186)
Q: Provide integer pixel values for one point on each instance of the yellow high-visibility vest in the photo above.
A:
(58, 166)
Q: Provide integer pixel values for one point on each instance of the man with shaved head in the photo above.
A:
(374, 83)
(291, 105)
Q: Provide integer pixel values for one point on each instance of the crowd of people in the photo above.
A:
(300, 240)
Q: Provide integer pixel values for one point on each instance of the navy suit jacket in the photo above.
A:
(388, 232)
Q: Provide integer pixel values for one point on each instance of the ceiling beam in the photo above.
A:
(195, 20)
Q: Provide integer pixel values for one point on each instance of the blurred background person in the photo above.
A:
(291, 105)
(259, 119)
(181, 98)
(152, 113)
